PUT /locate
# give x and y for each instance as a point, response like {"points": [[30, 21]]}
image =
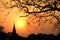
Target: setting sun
{"points": [[20, 22]]}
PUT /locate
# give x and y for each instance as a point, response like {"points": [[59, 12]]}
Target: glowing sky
{"points": [[25, 25]]}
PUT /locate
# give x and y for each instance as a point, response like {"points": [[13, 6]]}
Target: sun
{"points": [[20, 22]]}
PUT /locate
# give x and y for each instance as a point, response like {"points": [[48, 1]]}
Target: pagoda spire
{"points": [[14, 29]]}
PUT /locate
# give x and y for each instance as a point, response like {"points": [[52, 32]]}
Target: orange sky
{"points": [[30, 24]]}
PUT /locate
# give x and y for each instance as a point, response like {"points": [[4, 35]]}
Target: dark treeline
{"points": [[14, 36], [4, 36]]}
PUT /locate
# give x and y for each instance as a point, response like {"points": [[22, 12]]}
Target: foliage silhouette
{"points": [[15, 36]]}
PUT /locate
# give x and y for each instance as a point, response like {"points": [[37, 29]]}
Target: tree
{"points": [[39, 7], [1, 28]]}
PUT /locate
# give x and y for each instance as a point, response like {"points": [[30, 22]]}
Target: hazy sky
{"points": [[46, 25]]}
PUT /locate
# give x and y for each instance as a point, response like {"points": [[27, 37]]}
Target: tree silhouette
{"points": [[49, 6], [1, 28]]}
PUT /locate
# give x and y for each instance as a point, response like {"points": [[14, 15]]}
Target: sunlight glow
{"points": [[20, 22]]}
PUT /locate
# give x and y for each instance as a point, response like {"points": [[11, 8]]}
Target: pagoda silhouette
{"points": [[14, 35], [14, 30]]}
